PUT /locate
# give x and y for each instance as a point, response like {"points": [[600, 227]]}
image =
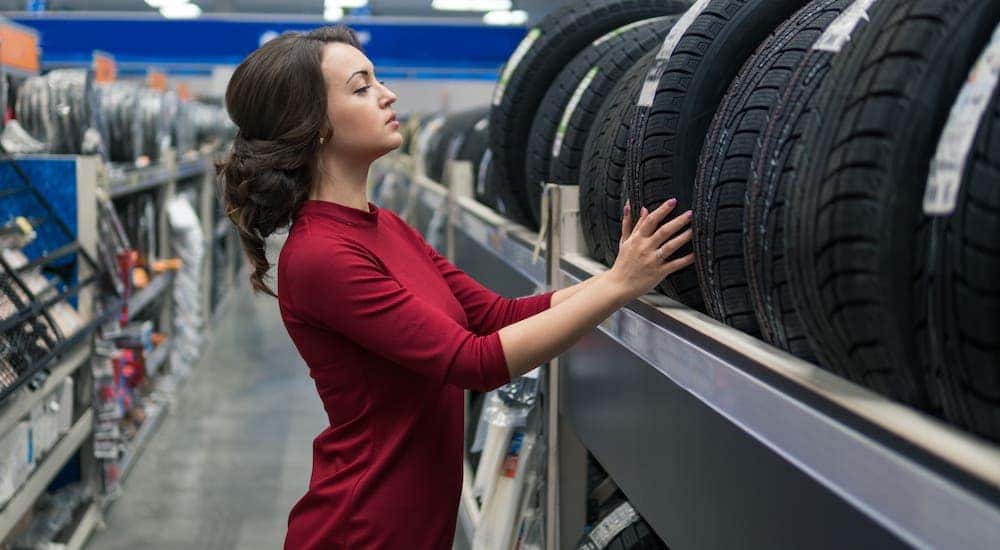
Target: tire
{"points": [[739, 250], [443, 148], [473, 144], [547, 49], [669, 129], [853, 219], [962, 289], [581, 88], [629, 530], [601, 197], [777, 167]]}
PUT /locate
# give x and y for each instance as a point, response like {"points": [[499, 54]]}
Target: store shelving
{"points": [[45, 472], [718, 439], [157, 358], [155, 414], [148, 294]]}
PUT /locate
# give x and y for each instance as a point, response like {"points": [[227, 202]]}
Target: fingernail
{"points": [[671, 202], [644, 211], [628, 207], [689, 214]]}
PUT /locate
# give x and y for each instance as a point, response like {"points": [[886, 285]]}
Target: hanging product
{"points": [[153, 119], [121, 124], [60, 109], [188, 241], [16, 140]]}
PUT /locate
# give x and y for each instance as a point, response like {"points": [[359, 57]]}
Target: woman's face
{"points": [[359, 107]]}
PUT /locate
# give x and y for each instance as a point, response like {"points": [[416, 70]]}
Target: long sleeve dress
{"points": [[392, 333]]}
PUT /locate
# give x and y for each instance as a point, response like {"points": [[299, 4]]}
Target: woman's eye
{"points": [[361, 91]]}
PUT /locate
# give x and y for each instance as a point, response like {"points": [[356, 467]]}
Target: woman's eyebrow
{"points": [[356, 73]]}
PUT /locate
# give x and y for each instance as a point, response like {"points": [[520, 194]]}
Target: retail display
{"points": [[187, 240], [61, 110], [534, 65]]}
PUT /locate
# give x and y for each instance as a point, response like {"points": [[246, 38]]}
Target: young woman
{"points": [[391, 331]]}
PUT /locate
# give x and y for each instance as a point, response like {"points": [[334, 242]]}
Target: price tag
{"points": [[157, 80], [105, 68], [19, 48]]}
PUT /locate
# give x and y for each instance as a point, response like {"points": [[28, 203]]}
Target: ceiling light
{"points": [[516, 17], [471, 5], [180, 11], [164, 3], [332, 13], [345, 3]]}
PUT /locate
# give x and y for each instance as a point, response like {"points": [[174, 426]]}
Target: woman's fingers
{"points": [[626, 221], [673, 245], [671, 228], [674, 266], [652, 221]]}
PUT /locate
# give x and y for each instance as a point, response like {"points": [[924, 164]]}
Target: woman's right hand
{"points": [[638, 267]]}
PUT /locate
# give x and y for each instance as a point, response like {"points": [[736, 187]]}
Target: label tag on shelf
{"points": [[105, 68], [19, 48], [157, 80]]}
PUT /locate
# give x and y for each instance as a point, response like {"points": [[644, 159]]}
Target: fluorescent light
{"points": [[516, 17], [471, 5], [331, 13], [345, 3], [164, 3], [180, 11]]}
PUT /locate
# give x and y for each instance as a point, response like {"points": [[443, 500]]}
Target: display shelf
{"points": [[44, 473], [128, 182], [681, 409], [155, 413], [90, 520], [19, 404], [508, 242], [125, 182], [138, 301], [157, 358]]}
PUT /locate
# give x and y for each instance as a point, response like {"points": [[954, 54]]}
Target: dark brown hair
{"points": [[277, 99]]}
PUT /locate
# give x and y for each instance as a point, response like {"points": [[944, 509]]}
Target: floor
{"points": [[234, 454]]}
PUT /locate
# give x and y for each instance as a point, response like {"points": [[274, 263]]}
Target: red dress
{"points": [[392, 333]]}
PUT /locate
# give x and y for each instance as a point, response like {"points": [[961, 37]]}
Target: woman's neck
{"points": [[342, 183]]}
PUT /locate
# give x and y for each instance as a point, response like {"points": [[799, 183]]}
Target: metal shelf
{"points": [[53, 462], [128, 182], [18, 405], [695, 420], [90, 520], [508, 242], [157, 358], [138, 301], [155, 413]]}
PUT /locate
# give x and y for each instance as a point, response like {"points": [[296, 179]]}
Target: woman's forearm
{"points": [[564, 294], [537, 339]]}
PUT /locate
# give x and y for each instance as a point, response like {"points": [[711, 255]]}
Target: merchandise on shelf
{"points": [[188, 242]]}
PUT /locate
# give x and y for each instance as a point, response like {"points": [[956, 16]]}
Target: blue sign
{"points": [[196, 45]]}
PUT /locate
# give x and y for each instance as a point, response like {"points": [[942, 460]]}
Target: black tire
{"points": [[443, 147], [853, 219], [547, 49], [962, 290], [601, 197], [669, 133], [473, 144], [739, 257], [581, 88], [631, 532], [776, 167]]}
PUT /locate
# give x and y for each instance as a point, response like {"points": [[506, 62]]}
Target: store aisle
{"points": [[234, 454]]}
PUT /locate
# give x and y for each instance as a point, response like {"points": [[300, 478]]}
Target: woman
{"points": [[391, 331]]}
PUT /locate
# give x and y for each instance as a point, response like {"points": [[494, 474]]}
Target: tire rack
{"points": [[162, 179], [718, 439]]}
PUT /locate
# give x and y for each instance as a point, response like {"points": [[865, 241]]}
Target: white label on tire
{"points": [[612, 525], [484, 166], [515, 58], [621, 30], [648, 92], [571, 108], [948, 164], [482, 124], [839, 32]]}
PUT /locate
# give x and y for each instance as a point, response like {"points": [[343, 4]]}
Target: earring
{"points": [[322, 140]]}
